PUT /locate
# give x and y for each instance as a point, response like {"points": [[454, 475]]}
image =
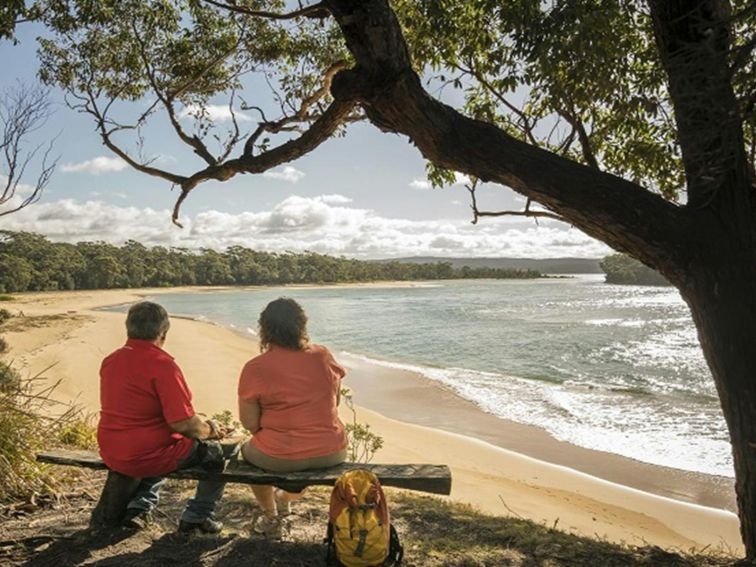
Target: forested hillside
{"points": [[542, 265], [30, 262], [622, 269]]}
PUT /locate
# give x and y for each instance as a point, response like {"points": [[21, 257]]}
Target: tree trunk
{"points": [[722, 299], [706, 248]]}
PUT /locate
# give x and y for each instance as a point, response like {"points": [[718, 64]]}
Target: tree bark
{"points": [[720, 285], [722, 299]]}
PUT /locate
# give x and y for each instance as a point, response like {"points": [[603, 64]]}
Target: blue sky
{"points": [[362, 195]]}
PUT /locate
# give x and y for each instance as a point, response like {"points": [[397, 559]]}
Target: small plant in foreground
{"points": [[10, 379], [226, 418], [30, 421], [362, 443], [3, 345], [79, 432], [5, 315]]}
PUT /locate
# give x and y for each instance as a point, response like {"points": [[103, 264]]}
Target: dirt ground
{"points": [[52, 532]]}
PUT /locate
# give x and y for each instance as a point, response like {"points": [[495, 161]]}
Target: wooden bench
{"points": [[118, 489]]}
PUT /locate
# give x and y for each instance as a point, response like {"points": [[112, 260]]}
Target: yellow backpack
{"points": [[360, 533]]}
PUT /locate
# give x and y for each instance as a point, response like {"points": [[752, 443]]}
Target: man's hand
{"points": [[217, 429], [196, 428]]}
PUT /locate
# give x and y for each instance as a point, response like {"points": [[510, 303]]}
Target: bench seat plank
{"points": [[435, 479]]}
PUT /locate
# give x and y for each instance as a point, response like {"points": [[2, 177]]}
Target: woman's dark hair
{"points": [[284, 323]]}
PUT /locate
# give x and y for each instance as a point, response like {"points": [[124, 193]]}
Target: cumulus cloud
{"points": [[420, 184], [328, 224], [95, 166], [289, 174], [214, 112], [334, 199]]}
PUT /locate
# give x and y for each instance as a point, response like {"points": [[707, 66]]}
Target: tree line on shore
{"points": [[624, 269], [31, 262]]}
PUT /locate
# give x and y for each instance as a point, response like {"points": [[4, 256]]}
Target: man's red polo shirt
{"points": [[142, 390]]}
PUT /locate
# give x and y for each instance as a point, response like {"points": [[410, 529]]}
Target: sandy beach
{"points": [[557, 484]]}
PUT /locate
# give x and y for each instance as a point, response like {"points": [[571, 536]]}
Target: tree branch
{"points": [[317, 133], [301, 115], [527, 127], [614, 210], [23, 111], [583, 138], [694, 42], [92, 108], [477, 213], [317, 11], [193, 141]]}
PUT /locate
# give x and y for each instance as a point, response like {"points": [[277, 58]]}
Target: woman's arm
{"points": [[249, 414]]}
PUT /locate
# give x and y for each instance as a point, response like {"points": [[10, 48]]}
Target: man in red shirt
{"points": [[148, 426]]}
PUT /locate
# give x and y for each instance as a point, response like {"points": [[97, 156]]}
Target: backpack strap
{"points": [[396, 551], [330, 556]]}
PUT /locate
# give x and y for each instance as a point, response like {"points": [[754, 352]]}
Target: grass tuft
{"points": [[31, 421]]}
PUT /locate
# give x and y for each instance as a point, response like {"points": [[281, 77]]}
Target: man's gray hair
{"points": [[147, 321]]}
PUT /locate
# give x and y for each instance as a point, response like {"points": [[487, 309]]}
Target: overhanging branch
{"points": [[316, 134], [527, 212], [614, 210], [317, 11], [301, 115]]}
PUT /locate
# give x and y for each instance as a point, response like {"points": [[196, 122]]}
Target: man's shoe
{"points": [[137, 519], [206, 526]]}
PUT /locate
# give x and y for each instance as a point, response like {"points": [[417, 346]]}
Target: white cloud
{"points": [[326, 224], [289, 173], [95, 166], [420, 184], [461, 179], [214, 112], [334, 199]]}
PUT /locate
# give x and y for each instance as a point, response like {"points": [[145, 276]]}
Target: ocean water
{"points": [[606, 367]]}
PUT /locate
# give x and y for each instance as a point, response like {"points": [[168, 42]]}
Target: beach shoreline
{"points": [[487, 454]]}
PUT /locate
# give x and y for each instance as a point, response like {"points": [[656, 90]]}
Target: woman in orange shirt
{"points": [[288, 399]]}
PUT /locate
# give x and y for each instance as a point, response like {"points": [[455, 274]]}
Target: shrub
{"points": [[79, 432], [226, 418], [362, 444], [5, 315], [3, 345], [10, 379], [6, 297], [26, 428]]}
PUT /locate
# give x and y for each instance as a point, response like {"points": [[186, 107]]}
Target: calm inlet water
{"points": [[613, 368]]}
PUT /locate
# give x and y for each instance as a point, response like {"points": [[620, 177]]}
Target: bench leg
{"points": [[119, 489]]}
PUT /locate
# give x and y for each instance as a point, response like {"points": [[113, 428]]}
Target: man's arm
{"points": [[196, 428]]}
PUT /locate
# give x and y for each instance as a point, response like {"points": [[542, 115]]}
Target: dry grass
{"points": [[435, 533], [27, 426], [23, 322]]}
